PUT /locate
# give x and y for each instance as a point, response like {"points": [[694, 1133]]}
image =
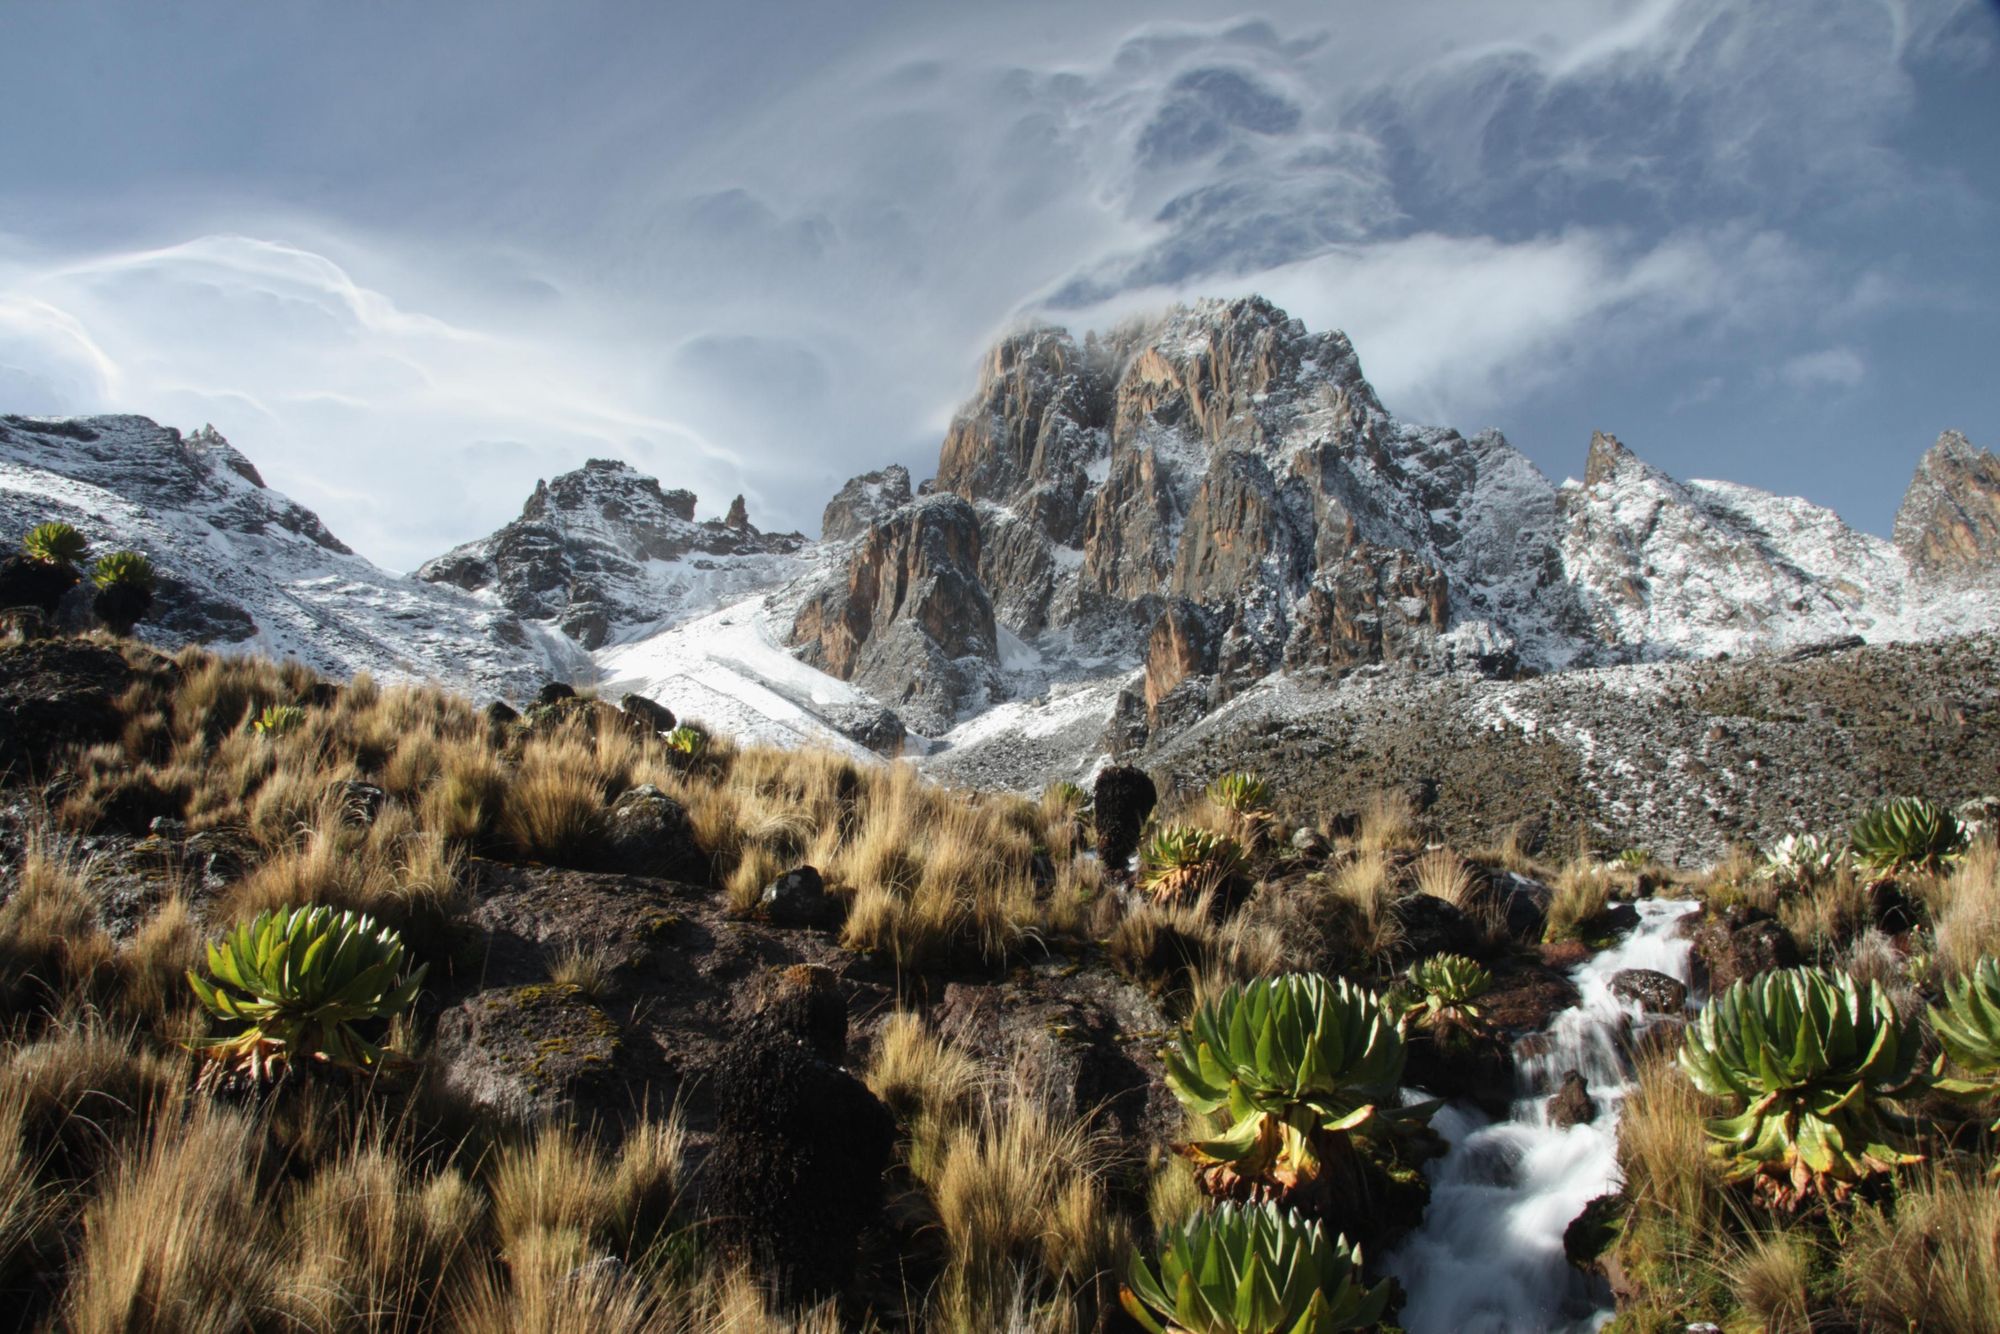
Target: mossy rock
{"points": [[525, 1052]]}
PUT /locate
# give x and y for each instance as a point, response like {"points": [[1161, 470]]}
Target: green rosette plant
{"points": [[126, 569], [1296, 1064], [1252, 1269], [1240, 792], [1180, 861], [277, 720], [1967, 1023], [1438, 994], [1907, 834], [299, 980], [1809, 1060], [56, 543]]}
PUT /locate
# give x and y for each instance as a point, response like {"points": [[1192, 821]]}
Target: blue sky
{"points": [[412, 257]]}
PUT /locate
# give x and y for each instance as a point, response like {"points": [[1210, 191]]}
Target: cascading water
{"points": [[1489, 1256]]}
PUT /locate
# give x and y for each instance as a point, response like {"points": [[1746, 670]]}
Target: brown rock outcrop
{"points": [[909, 620], [1949, 522]]}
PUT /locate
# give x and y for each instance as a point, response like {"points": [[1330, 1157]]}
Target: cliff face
{"points": [[905, 617], [1949, 522], [603, 551]]}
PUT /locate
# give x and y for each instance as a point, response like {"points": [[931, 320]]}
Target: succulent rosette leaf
{"points": [[1240, 792], [56, 543], [1907, 834], [1294, 1063], [1810, 1059], [1439, 992], [1967, 1023], [299, 980], [1252, 1269], [1182, 860]]}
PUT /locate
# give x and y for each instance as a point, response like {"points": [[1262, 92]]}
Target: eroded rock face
{"points": [[865, 501], [908, 620], [583, 553], [1949, 522]]}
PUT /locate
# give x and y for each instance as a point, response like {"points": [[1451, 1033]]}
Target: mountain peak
{"points": [[604, 550], [1949, 521]]}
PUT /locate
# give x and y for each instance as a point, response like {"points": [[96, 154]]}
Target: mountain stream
{"points": [[1489, 1256]]}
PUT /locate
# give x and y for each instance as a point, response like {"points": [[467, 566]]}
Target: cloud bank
{"points": [[762, 259]]}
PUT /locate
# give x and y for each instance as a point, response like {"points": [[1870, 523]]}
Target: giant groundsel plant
{"points": [[1809, 1061]]}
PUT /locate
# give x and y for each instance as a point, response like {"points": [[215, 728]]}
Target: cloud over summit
{"points": [[762, 256]]}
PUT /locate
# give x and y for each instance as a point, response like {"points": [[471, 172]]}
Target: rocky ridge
{"points": [[241, 565], [603, 552]]}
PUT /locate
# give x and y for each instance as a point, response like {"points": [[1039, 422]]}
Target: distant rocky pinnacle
{"points": [[579, 556], [1949, 522]]}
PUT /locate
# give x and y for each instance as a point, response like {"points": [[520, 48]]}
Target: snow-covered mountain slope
{"points": [[1688, 570], [242, 566]]}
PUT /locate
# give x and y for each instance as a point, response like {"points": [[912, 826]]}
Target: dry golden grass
{"points": [[1582, 893], [177, 1242], [1388, 824], [1825, 916], [554, 807], [1022, 1213], [587, 968], [1663, 1150], [53, 953], [1367, 883], [367, 1243], [1933, 1260], [1768, 1274], [1965, 908], [919, 1076]]}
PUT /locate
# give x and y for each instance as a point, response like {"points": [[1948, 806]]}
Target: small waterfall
{"points": [[1489, 1256]]}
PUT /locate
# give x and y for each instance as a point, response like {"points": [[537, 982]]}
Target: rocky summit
{"points": [[1130, 539], [604, 549]]}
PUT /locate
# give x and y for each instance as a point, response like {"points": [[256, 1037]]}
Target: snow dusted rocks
{"points": [[1949, 523], [240, 564], [603, 550], [906, 618]]}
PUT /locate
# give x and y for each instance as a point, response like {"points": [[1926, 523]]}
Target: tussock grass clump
{"points": [[1024, 1218], [1582, 893], [1964, 908], [177, 1240], [1932, 1257]]}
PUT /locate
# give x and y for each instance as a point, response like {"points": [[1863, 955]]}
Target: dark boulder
{"points": [[553, 691], [56, 693], [647, 832], [1572, 1104], [880, 730], [500, 713], [359, 802], [25, 582], [655, 717], [1737, 943], [1122, 799], [799, 898], [1654, 992], [1310, 844], [1432, 925], [800, 1149], [1524, 903]]}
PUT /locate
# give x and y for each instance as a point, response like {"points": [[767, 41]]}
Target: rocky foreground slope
{"points": [[1132, 543]]}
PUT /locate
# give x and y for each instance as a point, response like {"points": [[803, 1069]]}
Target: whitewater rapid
{"points": [[1489, 1256]]}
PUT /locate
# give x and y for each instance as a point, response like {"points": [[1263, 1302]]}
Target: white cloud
{"points": [[1828, 368], [382, 418]]}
